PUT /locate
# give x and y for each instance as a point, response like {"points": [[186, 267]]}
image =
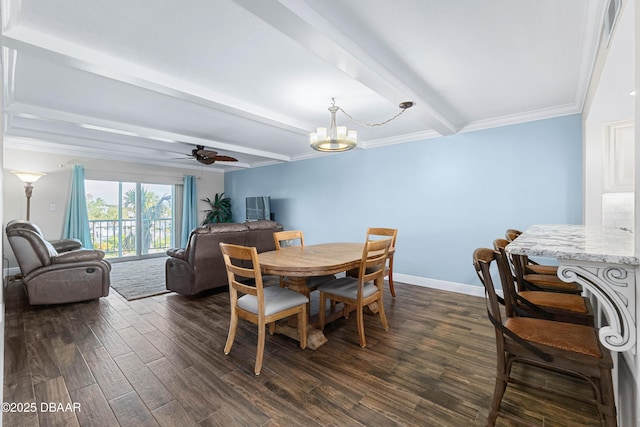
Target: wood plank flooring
{"points": [[159, 362]]}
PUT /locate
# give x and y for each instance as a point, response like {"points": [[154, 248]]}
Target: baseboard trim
{"points": [[443, 285]]}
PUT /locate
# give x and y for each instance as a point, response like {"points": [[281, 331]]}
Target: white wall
{"points": [[54, 187], [608, 101]]}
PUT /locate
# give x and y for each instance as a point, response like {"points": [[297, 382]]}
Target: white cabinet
{"points": [[619, 157]]}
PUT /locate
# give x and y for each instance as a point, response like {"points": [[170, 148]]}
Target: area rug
{"points": [[139, 279]]}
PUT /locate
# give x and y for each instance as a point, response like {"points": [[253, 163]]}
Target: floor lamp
{"points": [[28, 178]]}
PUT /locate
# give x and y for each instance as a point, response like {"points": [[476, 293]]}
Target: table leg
{"points": [[315, 337]]}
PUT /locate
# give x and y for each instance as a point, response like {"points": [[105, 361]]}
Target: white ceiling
{"points": [[146, 80]]}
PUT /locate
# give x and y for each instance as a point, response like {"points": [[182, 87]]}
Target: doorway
{"points": [[130, 219]]}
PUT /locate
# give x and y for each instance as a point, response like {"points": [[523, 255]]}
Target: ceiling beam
{"points": [[357, 54], [33, 141], [69, 54], [41, 113]]}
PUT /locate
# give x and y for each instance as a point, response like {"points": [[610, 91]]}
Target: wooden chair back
{"points": [[373, 232], [517, 264], [511, 234], [373, 263], [507, 278], [236, 259], [483, 259], [507, 274], [288, 238]]}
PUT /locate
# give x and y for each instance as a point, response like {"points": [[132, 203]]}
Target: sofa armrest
{"points": [[179, 253], [66, 245], [78, 256]]}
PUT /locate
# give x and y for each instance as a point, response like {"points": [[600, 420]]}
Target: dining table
{"points": [[299, 263]]}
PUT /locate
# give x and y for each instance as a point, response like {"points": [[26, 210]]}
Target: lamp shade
{"points": [[28, 177], [337, 139]]}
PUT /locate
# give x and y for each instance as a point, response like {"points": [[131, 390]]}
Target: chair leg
{"points": [[391, 288], [233, 326], [346, 310], [262, 336], [503, 371], [498, 392], [302, 327], [607, 407], [383, 316], [360, 321]]}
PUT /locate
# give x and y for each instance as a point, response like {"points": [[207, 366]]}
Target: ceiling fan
{"points": [[208, 157]]}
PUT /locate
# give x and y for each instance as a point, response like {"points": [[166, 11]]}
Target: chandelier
{"points": [[339, 138]]}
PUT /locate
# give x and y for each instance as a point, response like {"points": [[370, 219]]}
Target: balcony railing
{"points": [[117, 238]]}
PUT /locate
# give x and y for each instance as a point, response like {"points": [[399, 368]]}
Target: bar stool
{"points": [[570, 349]]}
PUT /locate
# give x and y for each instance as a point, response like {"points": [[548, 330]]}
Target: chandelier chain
{"points": [[360, 122]]}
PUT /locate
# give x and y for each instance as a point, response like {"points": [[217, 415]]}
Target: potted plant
{"points": [[220, 209]]}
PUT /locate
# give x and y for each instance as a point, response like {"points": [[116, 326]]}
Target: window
{"points": [[129, 219]]}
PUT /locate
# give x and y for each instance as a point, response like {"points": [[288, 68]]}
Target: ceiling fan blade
{"points": [[225, 159]]}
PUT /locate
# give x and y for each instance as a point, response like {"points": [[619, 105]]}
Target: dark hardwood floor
{"points": [[159, 361]]}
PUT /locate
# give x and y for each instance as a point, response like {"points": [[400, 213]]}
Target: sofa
{"points": [[51, 277], [200, 265]]}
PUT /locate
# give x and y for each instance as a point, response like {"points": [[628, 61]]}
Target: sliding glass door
{"points": [[129, 219]]}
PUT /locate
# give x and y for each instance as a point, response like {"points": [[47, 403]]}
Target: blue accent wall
{"points": [[446, 196]]}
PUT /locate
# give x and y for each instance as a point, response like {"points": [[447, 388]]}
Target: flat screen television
{"points": [[258, 208]]}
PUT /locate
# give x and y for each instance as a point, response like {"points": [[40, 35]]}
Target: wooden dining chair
{"points": [[532, 266], [567, 348], [385, 233], [258, 304], [543, 305], [295, 238], [374, 232], [532, 281], [367, 288]]}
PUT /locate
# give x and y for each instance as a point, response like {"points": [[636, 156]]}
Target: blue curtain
{"points": [[76, 225], [189, 208]]}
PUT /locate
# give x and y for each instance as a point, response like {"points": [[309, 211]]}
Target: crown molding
{"points": [[530, 116]]}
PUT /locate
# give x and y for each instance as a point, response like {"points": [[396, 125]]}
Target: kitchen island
{"points": [[604, 262]]}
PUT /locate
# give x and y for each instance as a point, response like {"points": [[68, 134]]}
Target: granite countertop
{"points": [[577, 242]]}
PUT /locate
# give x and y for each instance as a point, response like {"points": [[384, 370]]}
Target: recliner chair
{"points": [[55, 278], [61, 245]]}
